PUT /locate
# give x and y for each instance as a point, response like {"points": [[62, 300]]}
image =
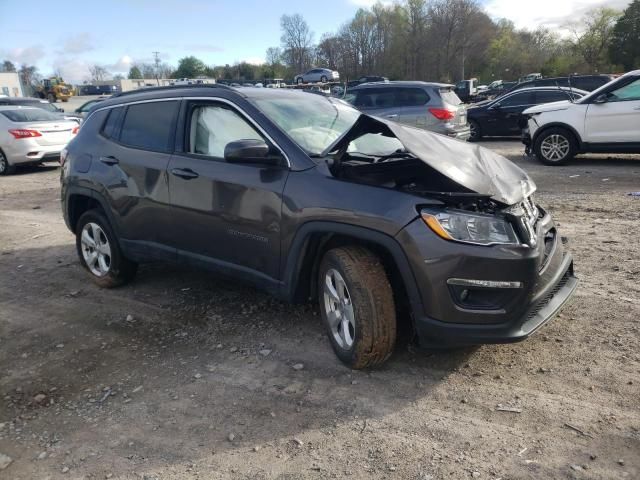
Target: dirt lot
{"points": [[182, 375]]}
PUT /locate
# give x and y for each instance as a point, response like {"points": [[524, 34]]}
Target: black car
{"points": [[307, 198], [588, 83], [502, 117], [366, 79]]}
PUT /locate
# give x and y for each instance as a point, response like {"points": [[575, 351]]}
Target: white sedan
{"points": [[31, 135]]}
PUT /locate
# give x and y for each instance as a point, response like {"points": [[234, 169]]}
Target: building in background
{"points": [[106, 87], [10, 84]]}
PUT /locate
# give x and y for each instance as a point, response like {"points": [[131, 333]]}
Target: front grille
{"points": [[544, 301]]}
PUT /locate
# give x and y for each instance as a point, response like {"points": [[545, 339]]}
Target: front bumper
{"points": [[545, 275]]}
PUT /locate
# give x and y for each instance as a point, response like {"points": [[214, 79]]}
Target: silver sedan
{"points": [[31, 135], [318, 75]]}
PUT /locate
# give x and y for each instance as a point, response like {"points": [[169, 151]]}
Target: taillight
{"points": [[75, 130], [24, 133], [442, 113]]}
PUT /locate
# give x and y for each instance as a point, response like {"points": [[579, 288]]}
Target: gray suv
{"points": [[430, 106], [305, 197]]}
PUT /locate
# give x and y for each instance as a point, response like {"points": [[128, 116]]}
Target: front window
{"points": [[212, 127], [314, 122], [629, 92]]}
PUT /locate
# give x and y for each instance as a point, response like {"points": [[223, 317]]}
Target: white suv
{"points": [[605, 121]]}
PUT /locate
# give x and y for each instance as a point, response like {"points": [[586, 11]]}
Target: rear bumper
{"points": [[33, 153], [461, 133], [433, 333]]}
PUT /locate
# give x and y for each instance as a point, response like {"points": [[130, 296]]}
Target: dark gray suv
{"points": [[305, 197], [431, 106]]}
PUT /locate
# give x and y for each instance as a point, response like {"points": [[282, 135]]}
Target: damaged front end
{"points": [[461, 175]]}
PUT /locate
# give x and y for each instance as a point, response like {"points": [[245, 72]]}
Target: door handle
{"points": [[185, 173], [391, 116], [110, 160]]}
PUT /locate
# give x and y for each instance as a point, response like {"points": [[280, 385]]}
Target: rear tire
{"points": [[299, 80], [476, 133], [357, 306], [555, 146], [323, 79], [99, 251], [5, 167], [51, 98]]}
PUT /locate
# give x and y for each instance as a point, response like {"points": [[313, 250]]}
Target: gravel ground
{"points": [[183, 375]]}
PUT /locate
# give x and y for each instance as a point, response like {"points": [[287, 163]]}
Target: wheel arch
{"points": [[80, 200], [547, 126], [313, 239]]}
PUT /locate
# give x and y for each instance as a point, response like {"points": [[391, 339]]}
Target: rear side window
{"points": [[149, 126], [29, 114], [589, 84], [518, 99], [411, 97], [551, 96], [109, 129]]}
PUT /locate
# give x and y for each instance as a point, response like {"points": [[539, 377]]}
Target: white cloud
{"points": [[72, 69], [28, 55], [254, 60], [122, 65], [552, 14]]}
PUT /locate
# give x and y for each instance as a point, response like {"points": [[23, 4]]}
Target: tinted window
{"points": [[213, 127], [524, 98], [110, 125], [29, 114], [551, 96], [589, 84], [149, 125], [410, 97]]}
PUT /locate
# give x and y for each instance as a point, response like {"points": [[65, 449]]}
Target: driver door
{"points": [[617, 120], [224, 214]]}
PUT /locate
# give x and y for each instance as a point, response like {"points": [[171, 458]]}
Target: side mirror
{"points": [[250, 151], [602, 98]]}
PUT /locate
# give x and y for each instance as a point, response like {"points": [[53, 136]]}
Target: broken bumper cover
{"points": [[469, 295], [433, 333]]}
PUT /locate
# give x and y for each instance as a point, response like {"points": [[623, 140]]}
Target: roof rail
{"points": [[171, 87]]}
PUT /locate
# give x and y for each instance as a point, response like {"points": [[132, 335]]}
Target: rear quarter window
{"points": [[449, 96], [411, 97], [149, 126], [111, 123]]}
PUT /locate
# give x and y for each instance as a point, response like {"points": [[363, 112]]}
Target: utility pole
{"points": [[156, 59]]}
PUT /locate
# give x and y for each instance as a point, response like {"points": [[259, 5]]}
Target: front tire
{"points": [[52, 98], [299, 80], [5, 167], [357, 306], [100, 253], [555, 146]]}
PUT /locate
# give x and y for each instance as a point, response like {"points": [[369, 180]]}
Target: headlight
{"points": [[470, 228]]}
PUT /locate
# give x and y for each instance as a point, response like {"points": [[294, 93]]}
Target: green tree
{"points": [[189, 67], [624, 48], [593, 35], [7, 66], [134, 73]]}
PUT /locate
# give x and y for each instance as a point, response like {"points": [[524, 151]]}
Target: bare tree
{"points": [[297, 41], [98, 73]]}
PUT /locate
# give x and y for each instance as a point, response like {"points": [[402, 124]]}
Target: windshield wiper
{"points": [[396, 154]]}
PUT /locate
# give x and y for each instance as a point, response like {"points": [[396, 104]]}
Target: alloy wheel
{"points": [[555, 147], [96, 250], [339, 309]]}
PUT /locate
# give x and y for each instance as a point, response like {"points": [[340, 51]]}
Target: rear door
{"points": [[504, 115], [133, 164], [411, 106], [224, 214], [618, 119], [379, 102]]}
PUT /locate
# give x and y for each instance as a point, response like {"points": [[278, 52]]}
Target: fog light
{"points": [[467, 282]]}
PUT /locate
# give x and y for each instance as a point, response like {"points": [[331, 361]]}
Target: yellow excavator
{"points": [[54, 89]]}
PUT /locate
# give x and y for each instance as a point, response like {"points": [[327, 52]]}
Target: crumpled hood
{"points": [[473, 167], [549, 107]]}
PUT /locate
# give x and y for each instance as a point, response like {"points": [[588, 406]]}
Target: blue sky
{"points": [[114, 33]]}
